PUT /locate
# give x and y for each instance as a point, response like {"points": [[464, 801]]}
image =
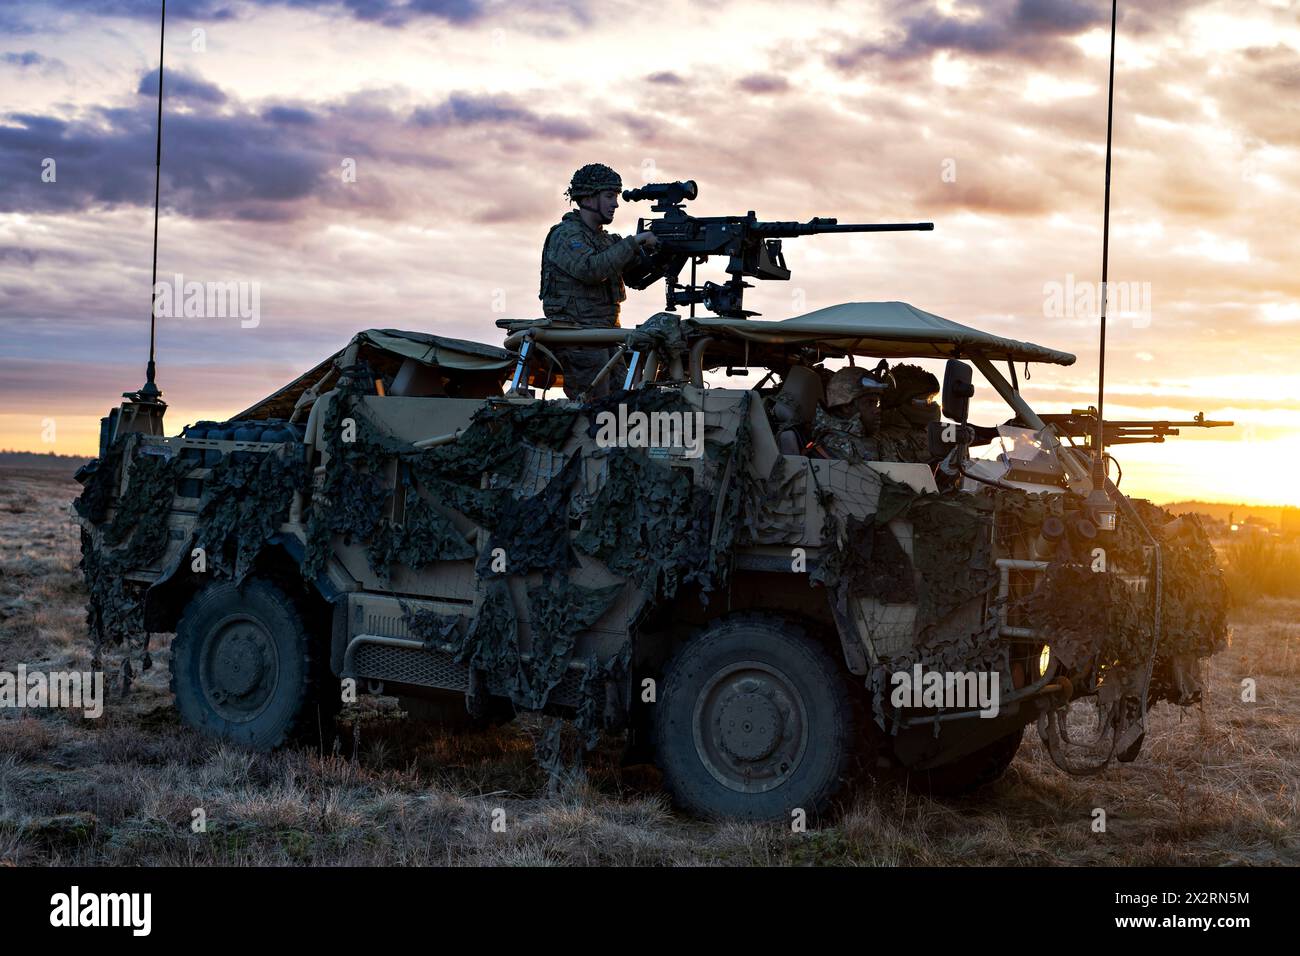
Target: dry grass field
{"points": [[1215, 785]]}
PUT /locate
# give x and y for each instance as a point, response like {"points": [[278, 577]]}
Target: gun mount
{"points": [[752, 247]]}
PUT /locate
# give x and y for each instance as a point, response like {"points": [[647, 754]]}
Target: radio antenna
{"points": [[1099, 464], [149, 393]]}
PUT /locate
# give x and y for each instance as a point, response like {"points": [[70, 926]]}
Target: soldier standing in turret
{"points": [[582, 273]]}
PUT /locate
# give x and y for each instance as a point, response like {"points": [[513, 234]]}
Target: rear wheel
{"points": [[244, 668], [754, 721]]}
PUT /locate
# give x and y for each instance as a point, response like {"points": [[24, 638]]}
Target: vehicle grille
{"points": [[409, 665], [440, 669]]}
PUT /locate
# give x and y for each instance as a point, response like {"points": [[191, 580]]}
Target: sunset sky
{"points": [[465, 119]]}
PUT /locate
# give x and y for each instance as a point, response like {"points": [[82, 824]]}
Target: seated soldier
{"points": [[847, 427], [907, 408]]}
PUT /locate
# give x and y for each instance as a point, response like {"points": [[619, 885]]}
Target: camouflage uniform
{"points": [[843, 438], [847, 437], [582, 283], [906, 441]]}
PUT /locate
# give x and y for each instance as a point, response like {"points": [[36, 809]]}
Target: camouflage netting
{"points": [[660, 334], [1096, 623], [655, 524], [244, 502], [532, 532], [951, 565], [490, 645], [354, 496], [355, 488], [559, 611], [952, 549], [1194, 598], [433, 629], [1072, 605], [598, 693], [423, 536], [100, 485], [1129, 648], [646, 521], [135, 538], [518, 482]]}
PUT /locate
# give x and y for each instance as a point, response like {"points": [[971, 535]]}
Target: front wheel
{"points": [[754, 722], [969, 773], [245, 668]]}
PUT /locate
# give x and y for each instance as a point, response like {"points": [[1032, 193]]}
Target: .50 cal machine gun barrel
{"points": [[788, 230]]}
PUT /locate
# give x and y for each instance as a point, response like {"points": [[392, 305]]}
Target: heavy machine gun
{"points": [[1082, 423], [752, 247]]}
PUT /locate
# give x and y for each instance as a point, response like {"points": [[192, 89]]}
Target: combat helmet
{"points": [[593, 178], [912, 394], [910, 381], [849, 383]]}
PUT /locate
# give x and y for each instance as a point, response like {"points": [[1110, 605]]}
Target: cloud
{"points": [[212, 10], [466, 109], [28, 256], [398, 13], [388, 13], [14, 24], [758, 83], [1023, 29], [213, 166], [289, 116], [181, 87], [275, 162], [25, 59], [1258, 92]]}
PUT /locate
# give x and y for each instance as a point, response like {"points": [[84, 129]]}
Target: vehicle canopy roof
{"points": [[884, 329], [384, 350], [892, 330]]}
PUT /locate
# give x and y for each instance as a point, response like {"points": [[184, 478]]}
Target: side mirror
{"points": [[957, 390]]}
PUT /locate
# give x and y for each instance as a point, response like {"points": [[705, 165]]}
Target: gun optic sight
{"points": [[664, 192]]}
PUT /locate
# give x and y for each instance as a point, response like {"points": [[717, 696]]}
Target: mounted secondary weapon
{"points": [[1082, 423]]}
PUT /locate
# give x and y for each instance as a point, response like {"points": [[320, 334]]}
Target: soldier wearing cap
{"points": [[582, 273]]}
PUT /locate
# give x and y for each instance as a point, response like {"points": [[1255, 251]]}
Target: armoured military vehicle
{"points": [[672, 562]]}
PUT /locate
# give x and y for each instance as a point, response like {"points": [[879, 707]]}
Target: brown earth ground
{"points": [[1216, 784]]}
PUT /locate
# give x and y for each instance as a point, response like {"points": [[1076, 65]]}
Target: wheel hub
{"points": [[239, 665], [239, 669], [750, 726]]}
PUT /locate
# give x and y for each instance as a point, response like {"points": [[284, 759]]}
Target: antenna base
{"points": [[149, 393]]}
